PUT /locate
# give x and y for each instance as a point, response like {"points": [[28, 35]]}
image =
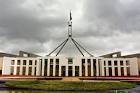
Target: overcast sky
{"points": [[101, 26]]}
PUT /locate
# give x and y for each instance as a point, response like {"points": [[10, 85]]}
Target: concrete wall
{"points": [[138, 60], [6, 66], [63, 61], [134, 67], [1, 62]]}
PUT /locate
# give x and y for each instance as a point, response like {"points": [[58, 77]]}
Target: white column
{"points": [[59, 70], [38, 68], [113, 68], [107, 69], [125, 69], [86, 68], [66, 70], [48, 68], [15, 68], [54, 66], [91, 67], [21, 67], [73, 70], [43, 63], [97, 68], [119, 68], [80, 69], [33, 68], [102, 68], [27, 67]]}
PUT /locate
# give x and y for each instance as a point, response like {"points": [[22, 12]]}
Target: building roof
{"points": [[27, 54], [118, 55], [132, 55], [111, 55], [7, 55], [21, 54]]}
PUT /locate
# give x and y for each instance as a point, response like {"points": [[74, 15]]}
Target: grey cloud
{"points": [[110, 16], [19, 23], [39, 27]]}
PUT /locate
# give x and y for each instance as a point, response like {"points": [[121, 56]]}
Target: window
{"points": [[109, 63], [35, 62], [83, 67], [18, 70], [30, 62], [83, 60], [70, 60], [51, 70], [115, 62], [89, 67], [18, 62], [128, 71], [116, 71], [121, 62], [57, 61], [24, 70], [24, 62], [89, 62], [127, 62], [12, 62], [57, 70], [12, 70], [51, 61], [122, 71], [30, 70], [63, 70], [76, 70], [104, 63], [45, 67]]}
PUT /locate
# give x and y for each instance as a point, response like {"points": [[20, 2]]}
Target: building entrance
{"points": [[69, 70]]}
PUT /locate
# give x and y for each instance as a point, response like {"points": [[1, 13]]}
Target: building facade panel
{"points": [[70, 66]]}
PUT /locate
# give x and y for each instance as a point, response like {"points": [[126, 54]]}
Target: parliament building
{"points": [[109, 65]]}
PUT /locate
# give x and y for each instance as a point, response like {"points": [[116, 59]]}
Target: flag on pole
{"points": [[70, 16]]}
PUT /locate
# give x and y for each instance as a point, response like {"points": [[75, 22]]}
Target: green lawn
{"points": [[60, 85]]}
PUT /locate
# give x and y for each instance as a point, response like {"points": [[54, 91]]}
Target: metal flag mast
{"points": [[78, 46]]}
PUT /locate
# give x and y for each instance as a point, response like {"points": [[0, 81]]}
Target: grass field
{"points": [[61, 85]]}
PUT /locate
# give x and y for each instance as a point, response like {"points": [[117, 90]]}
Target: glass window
{"points": [[115, 62], [18, 62], [57, 61], [109, 63], [83, 60], [35, 62], [127, 62], [121, 62], [30, 62], [70, 60], [89, 61], [104, 63], [12, 70], [12, 62], [51, 61], [24, 62]]}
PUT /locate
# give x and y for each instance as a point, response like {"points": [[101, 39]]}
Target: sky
{"points": [[100, 26]]}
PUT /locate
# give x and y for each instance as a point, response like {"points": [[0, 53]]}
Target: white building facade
{"points": [[69, 66]]}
